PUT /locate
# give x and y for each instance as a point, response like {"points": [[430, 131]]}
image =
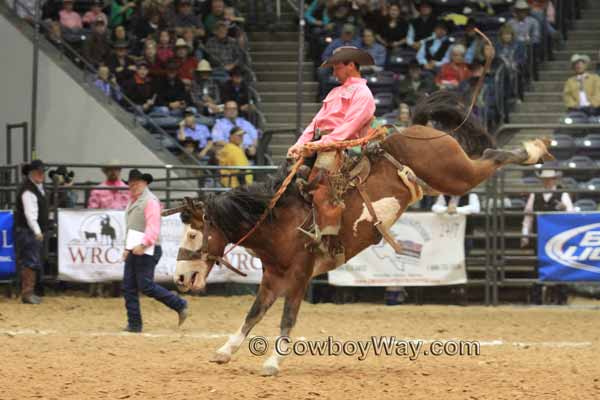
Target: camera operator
{"points": [[62, 178]]}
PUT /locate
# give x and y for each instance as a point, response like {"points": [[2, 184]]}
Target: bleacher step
{"points": [[543, 107], [282, 76], [287, 96], [307, 108], [271, 66], [534, 118]]}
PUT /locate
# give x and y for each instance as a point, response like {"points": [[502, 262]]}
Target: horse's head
{"points": [[201, 245]]}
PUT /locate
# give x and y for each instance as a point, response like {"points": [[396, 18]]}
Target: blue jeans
{"points": [[139, 276], [28, 249]]}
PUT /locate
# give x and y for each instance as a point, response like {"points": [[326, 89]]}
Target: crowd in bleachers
{"points": [[165, 60], [422, 45]]}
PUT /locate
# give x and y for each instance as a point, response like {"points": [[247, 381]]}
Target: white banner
{"points": [[433, 255], [90, 246]]}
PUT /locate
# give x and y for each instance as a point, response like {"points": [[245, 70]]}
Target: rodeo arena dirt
{"points": [[73, 348]]}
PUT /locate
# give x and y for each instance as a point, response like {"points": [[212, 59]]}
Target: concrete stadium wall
{"points": [[73, 127]]}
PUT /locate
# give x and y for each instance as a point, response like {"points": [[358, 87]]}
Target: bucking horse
{"points": [[437, 154]]}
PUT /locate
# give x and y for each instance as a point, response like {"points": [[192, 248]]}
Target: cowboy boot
{"points": [[27, 286]]}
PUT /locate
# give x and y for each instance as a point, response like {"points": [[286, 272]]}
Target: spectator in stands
{"points": [[119, 34], [235, 25], [485, 103], [172, 98], [187, 34], [415, 85], [463, 205], [120, 63], [164, 49], [237, 89], [423, 25], [185, 18], [205, 92], [223, 51], [320, 26], [96, 48], [121, 12], [514, 55], [107, 83], [217, 13], [140, 89], [95, 13], [403, 120], [454, 72], [190, 129], [62, 179], [435, 51], [346, 39], [148, 25], [473, 43], [232, 154], [156, 67], [71, 24], [185, 61], [394, 32], [343, 15], [376, 50], [526, 28], [108, 196], [223, 127], [582, 91], [550, 201]]}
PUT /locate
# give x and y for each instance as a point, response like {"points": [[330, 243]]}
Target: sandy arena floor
{"points": [[72, 348]]}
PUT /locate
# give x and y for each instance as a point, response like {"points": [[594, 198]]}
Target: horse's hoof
{"points": [[269, 371], [220, 358]]}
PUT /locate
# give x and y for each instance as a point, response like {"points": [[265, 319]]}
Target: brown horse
{"points": [[289, 261]]}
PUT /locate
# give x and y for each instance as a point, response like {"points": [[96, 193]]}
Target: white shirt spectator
{"points": [[440, 206], [31, 209]]}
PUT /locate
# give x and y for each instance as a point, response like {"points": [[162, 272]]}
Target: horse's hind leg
{"points": [[532, 152], [293, 300], [264, 300]]}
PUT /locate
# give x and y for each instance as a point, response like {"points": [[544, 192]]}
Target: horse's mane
{"points": [[446, 110], [239, 209]]}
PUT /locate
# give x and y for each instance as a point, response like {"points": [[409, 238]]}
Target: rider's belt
{"points": [[321, 132]]}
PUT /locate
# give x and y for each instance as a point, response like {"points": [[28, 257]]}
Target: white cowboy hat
{"points": [[580, 57], [203, 66], [521, 5], [548, 174]]}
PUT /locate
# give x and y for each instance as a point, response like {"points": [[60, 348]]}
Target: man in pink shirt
{"points": [[143, 215], [346, 114], [71, 25], [110, 196]]}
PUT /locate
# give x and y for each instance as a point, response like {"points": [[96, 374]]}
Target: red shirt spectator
{"points": [[69, 18], [187, 64], [454, 72]]}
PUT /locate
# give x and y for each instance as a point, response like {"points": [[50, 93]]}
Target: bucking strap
{"points": [[376, 222]]}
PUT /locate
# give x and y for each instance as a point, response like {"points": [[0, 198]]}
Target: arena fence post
{"points": [[34, 77]]}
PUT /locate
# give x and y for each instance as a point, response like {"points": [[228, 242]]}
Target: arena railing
{"points": [[499, 188], [165, 141]]}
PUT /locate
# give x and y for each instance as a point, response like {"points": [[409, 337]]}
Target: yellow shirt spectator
{"points": [[233, 154]]}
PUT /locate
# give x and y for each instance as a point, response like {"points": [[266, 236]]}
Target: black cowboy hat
{"points": [[63, 171], [136, 175], [32, 166], [349, 53]]}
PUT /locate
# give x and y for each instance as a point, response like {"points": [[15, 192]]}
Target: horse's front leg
{"points": [[267, 294], [293, 300]]}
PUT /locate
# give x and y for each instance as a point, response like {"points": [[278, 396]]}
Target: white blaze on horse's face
{"points": [[191, 274]]}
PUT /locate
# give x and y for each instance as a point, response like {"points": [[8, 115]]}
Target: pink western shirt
{"points": [[152, 215], [346, 112], [109, 198], [70, 19]]}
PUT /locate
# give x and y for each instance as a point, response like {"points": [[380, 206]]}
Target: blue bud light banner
{"points": [[569, 247], [7, 249]]}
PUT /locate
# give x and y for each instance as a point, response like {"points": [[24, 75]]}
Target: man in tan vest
{"points": [[143, 215]]}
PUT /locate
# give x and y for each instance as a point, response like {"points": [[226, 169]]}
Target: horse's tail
{"points": [[446, 111]]}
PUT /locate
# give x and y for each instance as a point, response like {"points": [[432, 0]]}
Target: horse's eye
{"points": [[192, 236]]}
